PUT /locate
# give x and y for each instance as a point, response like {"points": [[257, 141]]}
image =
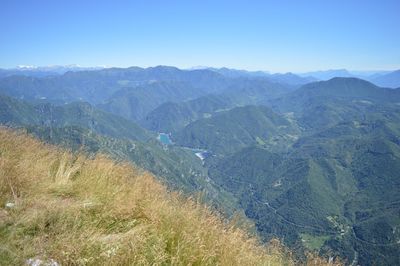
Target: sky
{"points": [[277, 36]]}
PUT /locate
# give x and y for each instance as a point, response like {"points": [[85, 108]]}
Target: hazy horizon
{"points": [[42, 67]]}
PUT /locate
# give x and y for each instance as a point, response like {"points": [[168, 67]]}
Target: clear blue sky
{"points": [[278, 35]]}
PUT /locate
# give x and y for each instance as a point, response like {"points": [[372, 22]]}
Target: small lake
{"points": [[164, 138]]}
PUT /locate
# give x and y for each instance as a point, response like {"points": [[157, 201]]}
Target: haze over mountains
{"points": [[312, 158], [383, 78]]}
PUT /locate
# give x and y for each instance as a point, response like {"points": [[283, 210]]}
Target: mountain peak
{"points": [[389, 80]]}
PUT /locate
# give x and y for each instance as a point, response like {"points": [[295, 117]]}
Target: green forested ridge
{"points": [[135, 102], [174, 116], [228, 131], [74, 114], [350, 89]]}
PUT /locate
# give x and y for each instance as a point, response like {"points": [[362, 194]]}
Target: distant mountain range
{"points": [[388, 79], [286, 78], [43, 71]]}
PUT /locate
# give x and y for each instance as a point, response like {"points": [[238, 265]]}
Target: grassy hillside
{"points": [[75, 210]]}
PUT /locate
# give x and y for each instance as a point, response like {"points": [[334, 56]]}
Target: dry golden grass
{"points": [[81, 211]]}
